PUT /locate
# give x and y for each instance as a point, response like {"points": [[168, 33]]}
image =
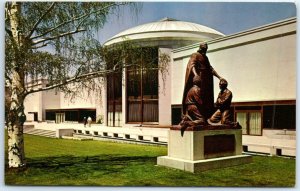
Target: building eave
{"points": [[256, 30]]}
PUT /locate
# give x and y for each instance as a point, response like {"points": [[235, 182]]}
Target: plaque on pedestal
{"points": [[200, 150]]}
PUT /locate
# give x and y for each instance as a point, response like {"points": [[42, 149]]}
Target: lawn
{"points": [[70, 162]]}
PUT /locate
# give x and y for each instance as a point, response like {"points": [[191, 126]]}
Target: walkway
{"points": [[127, 133]]}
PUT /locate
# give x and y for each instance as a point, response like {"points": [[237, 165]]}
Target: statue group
{"points": [[199, 109]]}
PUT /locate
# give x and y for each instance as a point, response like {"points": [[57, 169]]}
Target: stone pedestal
{"points": [[199, 150]]}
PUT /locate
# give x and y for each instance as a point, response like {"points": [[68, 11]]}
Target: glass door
{"points": [[59, 117], [114, 100]]}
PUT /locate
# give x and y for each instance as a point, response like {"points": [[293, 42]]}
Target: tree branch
{"points": [[73, 79], [37, 47], [58, 36], [76, 18], [78, 77], [40, 20]]}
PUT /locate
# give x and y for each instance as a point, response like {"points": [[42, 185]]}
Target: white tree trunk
{"points": [[16, 116], [16, 156], [16, 119]]}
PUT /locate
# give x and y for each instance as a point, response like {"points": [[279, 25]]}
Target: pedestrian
{"points": [[89, 120], [84, 121]]}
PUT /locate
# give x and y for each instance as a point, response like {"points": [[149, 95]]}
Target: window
{"points": [[255, 123], [50, 115], [142, 88], [114, 100], [242, 119], [251, 122], [59, 117], [279, 117], [71, 115], [87, 113]]}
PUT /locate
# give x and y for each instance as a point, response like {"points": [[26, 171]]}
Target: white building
{"points": [[259, 65], [54, 106]]}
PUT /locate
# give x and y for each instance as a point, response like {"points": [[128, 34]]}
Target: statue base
{"points": [[203, 148]]}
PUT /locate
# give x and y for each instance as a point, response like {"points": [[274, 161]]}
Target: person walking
{"points": [[89, 120], [84, 121]]}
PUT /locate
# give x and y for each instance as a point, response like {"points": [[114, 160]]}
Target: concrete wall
{"points": [[95, 99], [53, 99], [271, 141], [259, 64], [33, 103], [81, 100], [37, 102], [164, 92]]}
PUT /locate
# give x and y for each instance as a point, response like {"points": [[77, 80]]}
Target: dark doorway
{"points": [[35, 116]]}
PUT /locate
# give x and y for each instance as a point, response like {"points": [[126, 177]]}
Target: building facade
{"points": [[259, 65], [53, 106]]}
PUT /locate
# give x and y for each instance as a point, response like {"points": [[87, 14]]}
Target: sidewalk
{"points": [[128, 131]]}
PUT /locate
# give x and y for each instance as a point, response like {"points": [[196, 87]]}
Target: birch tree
{"points": [[68, 28]]}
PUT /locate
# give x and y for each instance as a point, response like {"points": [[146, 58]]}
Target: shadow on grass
{"points": [[78, 166], [73, 170], [97, 162]]}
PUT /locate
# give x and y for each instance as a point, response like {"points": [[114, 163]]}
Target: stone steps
{"points": [[40, 132]]}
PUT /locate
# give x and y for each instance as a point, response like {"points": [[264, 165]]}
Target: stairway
{"points": [[40, 132]]}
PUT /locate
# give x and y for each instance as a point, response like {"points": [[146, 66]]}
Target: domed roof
{"points": [[167, 29]]}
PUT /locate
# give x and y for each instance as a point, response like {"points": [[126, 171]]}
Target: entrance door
{"points": [[59, 117], [35, 116], [114, 100]]}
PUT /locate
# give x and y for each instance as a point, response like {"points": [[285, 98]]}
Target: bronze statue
{"points": [[199, 65], [194, 106], [222, 104], [198, 97]]}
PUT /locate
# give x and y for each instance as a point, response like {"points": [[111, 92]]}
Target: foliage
{"points": [[118, 164], [59, 45], [100, 119], [58, 41]]}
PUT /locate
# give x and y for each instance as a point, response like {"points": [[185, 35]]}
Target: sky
{"points": [[226, 17]]}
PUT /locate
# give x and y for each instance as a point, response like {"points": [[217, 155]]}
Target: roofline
{"points": [[173, 31], [243, 33], [257, 29], [162, 20]]}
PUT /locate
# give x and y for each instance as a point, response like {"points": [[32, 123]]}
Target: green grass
{"points": [[70, 162]]}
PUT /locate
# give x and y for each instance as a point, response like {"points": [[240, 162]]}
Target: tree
{"points": [[68, 29]]}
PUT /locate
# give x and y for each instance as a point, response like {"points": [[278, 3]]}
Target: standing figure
{"points": [[223, 105], [84, 121], [89, 120], [199, 65]]}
